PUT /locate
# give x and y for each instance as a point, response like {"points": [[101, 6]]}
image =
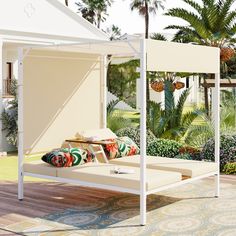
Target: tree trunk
{"points": [[147, 36], [66, 2], [146, 21], [206, 96], [99, 17]]}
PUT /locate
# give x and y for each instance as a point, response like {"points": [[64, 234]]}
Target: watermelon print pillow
{"points": [[68, 157], [127, 147], [124, 146]]}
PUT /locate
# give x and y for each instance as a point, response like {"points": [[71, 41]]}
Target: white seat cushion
{"points": [[41, 168], [103, 174], [185, 167], [96, 134]]}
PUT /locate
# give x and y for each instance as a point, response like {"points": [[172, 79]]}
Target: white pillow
{"points": [[96, 134]]}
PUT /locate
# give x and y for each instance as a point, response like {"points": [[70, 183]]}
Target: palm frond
{"points": [[194, 5], [158, 36], [111, 106], [188, 118], [198, 135], [180, 105]]}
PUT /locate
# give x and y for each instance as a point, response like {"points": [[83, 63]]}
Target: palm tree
{"points": [[210, 23], [95, 11], [145, 7]]}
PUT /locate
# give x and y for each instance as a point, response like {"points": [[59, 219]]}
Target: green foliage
{"points": [[171, 122], [111, 106], [164, 148], [228, 111], [114, 32], [199, 134], [211, 22], [117, 121], [95, 11], [9, 117], [115, 118], [227, 150], [190, 153], [121, 81], [230, 168], [185, 156], [158, 36], [134, 134]]}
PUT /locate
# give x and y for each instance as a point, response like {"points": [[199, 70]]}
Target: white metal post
{"points": [[1, 92], [104, 89], [20, 126], [216, 113], [143, 99]]}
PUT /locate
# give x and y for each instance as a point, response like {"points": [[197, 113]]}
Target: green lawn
{"points": [[8, 168]]}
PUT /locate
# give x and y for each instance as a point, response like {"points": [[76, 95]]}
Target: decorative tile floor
{"points": [[185, 211]]}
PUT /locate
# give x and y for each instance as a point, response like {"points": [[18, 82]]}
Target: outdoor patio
{"points": [[59, 209]]}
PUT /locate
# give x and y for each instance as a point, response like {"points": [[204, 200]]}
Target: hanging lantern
{"points": [[226, 54], [158, 86]]}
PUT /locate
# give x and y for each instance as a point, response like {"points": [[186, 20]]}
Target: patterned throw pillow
{"points": [[68, 157], [111, 150], [124, 146], [127, 147]]}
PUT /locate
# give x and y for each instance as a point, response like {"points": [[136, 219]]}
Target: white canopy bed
{"points": [[62, 89]]}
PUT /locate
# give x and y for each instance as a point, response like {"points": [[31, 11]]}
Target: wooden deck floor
{"points": [[43, 198]]}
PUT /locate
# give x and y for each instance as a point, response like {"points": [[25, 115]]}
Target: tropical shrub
{"points": [[190, 153], [227, 150], [164, 148], [199, 134], [9, 116], [171, 122], [134, 134], [121, 81], [185, 156], [230, 168]]}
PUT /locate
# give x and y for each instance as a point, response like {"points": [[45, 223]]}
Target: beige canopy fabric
{"points": [[179, 57], [63, 91], [62, 95]]}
